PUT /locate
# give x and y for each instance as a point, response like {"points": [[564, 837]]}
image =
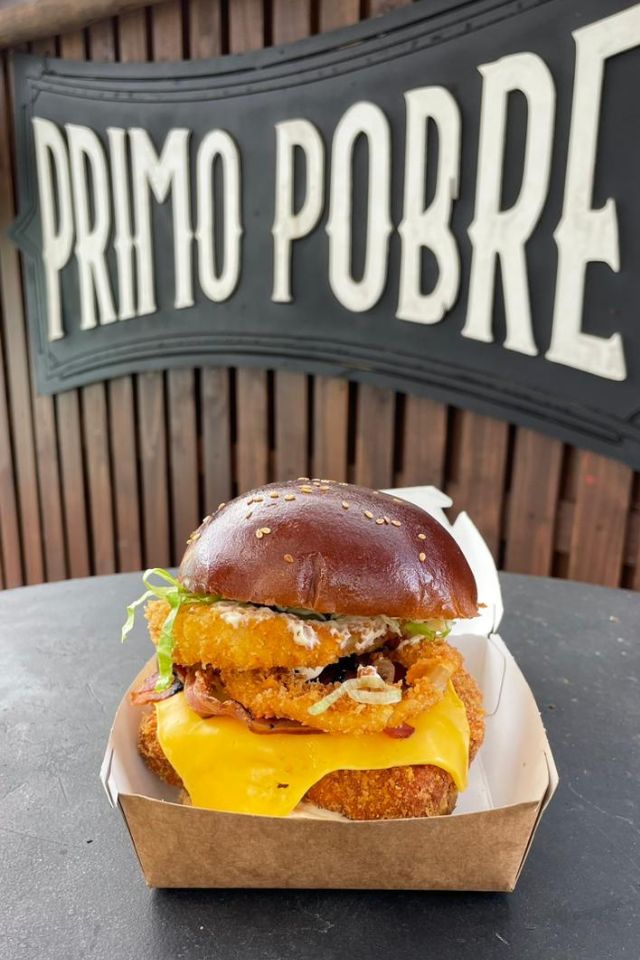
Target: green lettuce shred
{"points": [[432, 629], [176, 596]]}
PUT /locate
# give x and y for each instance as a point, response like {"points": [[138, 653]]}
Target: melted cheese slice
{"points": [[226, 767]]}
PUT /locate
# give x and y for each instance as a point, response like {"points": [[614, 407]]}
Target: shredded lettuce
{"points": [[366, 688], [176, 596], [432, 629]]}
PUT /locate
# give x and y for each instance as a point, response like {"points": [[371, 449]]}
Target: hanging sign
{"points": [[444, 200]]}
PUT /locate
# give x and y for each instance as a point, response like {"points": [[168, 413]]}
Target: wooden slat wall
{"points": [[114, 476]]}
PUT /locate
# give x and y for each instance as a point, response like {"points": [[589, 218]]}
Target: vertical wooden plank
{"points": [[48, 466], [291, 425], [533, 502], [424, 442], [149, 387], [11, 551], [205, 28], [480, 460], [183, 444], [246, 32], [374, 436], [131, 30], [330, 394], [290, 21], [246, 25], [215, 406], [205, 40], [132, 36], [74, 497], [338, 13], [167, 40], [330, 428], [124, 466], [602, 503], [15, 345], [252, 450], [95, 416], [153, 460]]}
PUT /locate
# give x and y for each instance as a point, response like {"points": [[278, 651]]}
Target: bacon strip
{"points": [[147, 693], [402, 732]]}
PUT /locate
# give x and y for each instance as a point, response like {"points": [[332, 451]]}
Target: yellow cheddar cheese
{"points": [[226, 767]]}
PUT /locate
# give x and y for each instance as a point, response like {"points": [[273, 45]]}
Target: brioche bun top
{"points": [[331, 548]]}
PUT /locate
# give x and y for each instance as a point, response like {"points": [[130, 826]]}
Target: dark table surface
{"points": [[70, 884]]}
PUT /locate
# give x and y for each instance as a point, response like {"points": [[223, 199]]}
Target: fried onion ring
{"points": [[229, 636], [282, 693]]}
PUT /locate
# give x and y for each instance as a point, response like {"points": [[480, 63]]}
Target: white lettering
{"points": [[160, 174], [585, 234], [123, 241], [218, 286], [503, 233], [368, 120], [52, 165], [429, 227]]}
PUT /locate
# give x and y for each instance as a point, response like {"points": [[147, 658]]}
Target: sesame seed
{"points": [[289, 496], [259, 534], [207, 518], [386, 519], [306, 489], [323, 486], [397, 500], [422, 557], [274, 495], [380, 520], [265, 529], [345, 505], [250, 514], [316, 480], [249, 502], [258, 499], [221, 505], [368, 514], [303, 478], [422, 536], [195, 535], [396, 523], [288, 558], [326, 481]]}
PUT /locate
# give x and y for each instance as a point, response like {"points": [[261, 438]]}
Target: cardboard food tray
{"points": [[482, 846]]}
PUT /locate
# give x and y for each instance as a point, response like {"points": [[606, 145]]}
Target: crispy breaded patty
{"points": [[282, 693], [228, 636], [411, 791], [414, 791]]}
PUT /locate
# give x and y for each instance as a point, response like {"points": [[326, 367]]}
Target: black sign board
{"points": [[444, 200]]}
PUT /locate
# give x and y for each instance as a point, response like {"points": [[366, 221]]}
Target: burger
{"points": [[302, 658]]}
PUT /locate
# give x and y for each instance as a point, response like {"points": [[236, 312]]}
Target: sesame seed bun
{"points": [[331, 548]]}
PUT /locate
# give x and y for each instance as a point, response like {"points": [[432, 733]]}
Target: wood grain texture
{"points": [[291, 425], [98, 464], [533, 503], [22, 20], [205, 29], [10, 546], [153, 462], [246, 25], [424, 442], [74, 495], [330, 428], [215, 406], [15, 345], [252, 446], [602, 502], [479, 465], [374, 436], [338, 13], [122, 425], [290, 19]]}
